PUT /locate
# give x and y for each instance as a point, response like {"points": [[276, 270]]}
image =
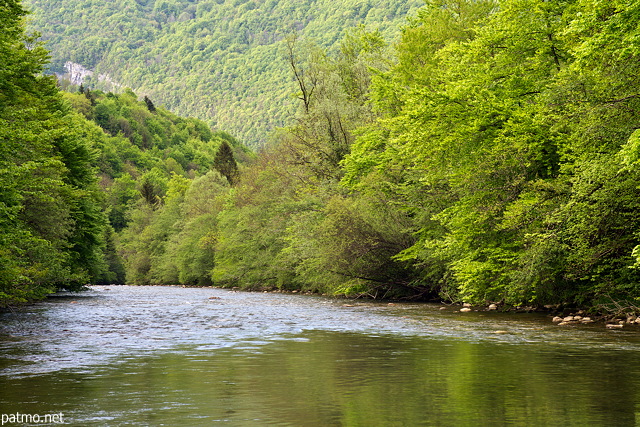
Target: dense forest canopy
{"points": [[221, 61], [73, 166], [51, 224], [491, 155]]}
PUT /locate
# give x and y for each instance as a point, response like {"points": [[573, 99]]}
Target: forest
{"points": [[492, 154], [217, 60]]}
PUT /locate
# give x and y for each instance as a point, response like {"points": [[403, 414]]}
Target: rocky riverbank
{"points": [[565, 317]]}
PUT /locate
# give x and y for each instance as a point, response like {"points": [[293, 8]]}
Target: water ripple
{"points": [[75, 330]]}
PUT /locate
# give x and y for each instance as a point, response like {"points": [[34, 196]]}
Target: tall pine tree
{"points": [[225, 163]]}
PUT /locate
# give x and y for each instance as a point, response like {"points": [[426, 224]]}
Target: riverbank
{"points": [[560, 315], [616, 316]]}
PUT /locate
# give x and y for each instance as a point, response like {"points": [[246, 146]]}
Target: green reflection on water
{"points": [[331, 378]]}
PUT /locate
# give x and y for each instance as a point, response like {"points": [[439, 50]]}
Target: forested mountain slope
{"points": [[221, 61], [495, 158], [496, 161], [75, 167]]}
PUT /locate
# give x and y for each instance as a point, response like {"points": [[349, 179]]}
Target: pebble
{"points": [[465, 309], [492, 307], [557, 319]]}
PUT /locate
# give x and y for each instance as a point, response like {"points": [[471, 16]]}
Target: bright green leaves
{"points": [[602, 27], [600, 225], [491, 130], [289, 223], [494, 158], [22, 58], [62, 178], [216, 60], [51, 224], [148, 163]]}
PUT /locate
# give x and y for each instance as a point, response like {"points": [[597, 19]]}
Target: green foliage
{"points": [[225, 163], [489, 156], [289, 224], [148, 164], [64, 178], [51, 222], [506, 123], [216, 60], [252, 227]]}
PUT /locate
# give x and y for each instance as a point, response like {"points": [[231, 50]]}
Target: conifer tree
{"points": [[225, 163], [150, 105]]}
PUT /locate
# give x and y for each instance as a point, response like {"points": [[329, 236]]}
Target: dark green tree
{"points": [[225, 163], [149, 194], [150, 106]]}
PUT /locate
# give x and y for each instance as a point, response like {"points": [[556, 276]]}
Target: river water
{"points": [[146, 356]]}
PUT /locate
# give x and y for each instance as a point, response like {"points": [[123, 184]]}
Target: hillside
{"points": [[221, 61], [76, 169], [495, 158]]}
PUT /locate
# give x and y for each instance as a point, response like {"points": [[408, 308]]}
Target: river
{"points": [[146, 356]]}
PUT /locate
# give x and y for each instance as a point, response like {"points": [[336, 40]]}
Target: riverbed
{"points": [[171, 356]]}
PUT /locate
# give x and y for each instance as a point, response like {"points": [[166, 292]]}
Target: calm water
{"points": [[172, 356]]}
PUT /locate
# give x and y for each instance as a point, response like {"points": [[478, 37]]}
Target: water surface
{"points": [[173, 356]]}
